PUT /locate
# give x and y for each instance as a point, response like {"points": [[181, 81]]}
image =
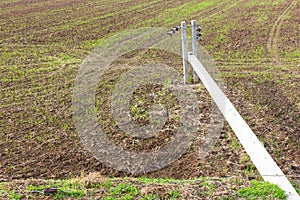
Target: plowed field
{"points": [[255, 45]]}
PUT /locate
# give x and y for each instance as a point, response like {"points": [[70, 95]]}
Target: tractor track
{"points": [[272, 44]]}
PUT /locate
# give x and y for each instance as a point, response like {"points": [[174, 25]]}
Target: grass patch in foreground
{"points": [[261, 190], [123, 191], [64, 189], [96, 186]]}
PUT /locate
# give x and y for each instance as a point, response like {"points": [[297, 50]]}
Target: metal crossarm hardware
{"points": [[173, 30]]}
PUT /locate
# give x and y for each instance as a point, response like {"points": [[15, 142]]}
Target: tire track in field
{"points": [[225, 11], [275, 31]]}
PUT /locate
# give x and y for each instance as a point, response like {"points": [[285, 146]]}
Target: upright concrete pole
{"points": [[184, 53]]}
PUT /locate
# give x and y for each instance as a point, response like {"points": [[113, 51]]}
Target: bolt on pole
{"points": [[184, 53], [194, 47]]}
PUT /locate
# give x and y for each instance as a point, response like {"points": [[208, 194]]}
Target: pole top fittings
{"points": [[173, 30]]}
